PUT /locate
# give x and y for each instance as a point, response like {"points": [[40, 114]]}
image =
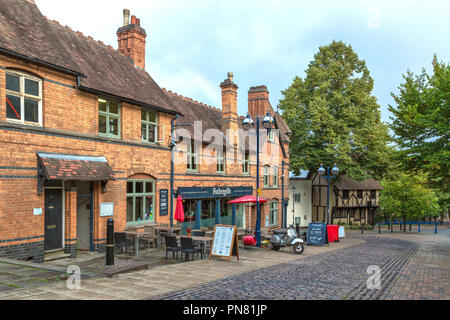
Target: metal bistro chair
{"points": [[120, 241], [187, 247], [198, 234], [172, 245]]}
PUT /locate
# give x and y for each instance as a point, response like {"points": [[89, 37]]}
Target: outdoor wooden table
{"points": [[136, 236], [202, 240]]}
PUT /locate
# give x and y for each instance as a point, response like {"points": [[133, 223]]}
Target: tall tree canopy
{"points": [[421, 124], [406, 197], [334, 117]]}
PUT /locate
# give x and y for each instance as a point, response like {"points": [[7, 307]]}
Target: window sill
{"points": [[25, 123]]}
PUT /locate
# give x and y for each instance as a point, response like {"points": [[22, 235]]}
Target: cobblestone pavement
{"points": [[342, 274]]}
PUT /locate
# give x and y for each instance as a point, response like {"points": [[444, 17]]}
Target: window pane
{"points": [[149, 187], [139, 213], [101, 124], [151, 133], [32, 87], [129, 187], [139, 187], [114, 126], [149, 214], [152, 116], [130, 209], [143, 115], [31, 110], [12, 107], [113, 108], [102, 105], [144, 132], [12, 82]]}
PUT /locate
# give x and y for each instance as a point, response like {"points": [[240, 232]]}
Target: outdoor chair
{"points": [[172, 245], [187, 248], [120, 241], [148, 240]]}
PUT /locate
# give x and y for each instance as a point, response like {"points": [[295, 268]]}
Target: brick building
{"points": [[85, 136]]}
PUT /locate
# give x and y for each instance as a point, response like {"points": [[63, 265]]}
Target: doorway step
{"points": [[55, 255]]}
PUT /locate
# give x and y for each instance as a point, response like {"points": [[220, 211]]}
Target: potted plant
{"points": [[188, 231]]}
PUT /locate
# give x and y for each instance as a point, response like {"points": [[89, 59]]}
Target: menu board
{"points": [[317, 234], [163, 202], [225, 243]]}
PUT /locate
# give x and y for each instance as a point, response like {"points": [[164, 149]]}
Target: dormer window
{"points": [[149, 126], [108, 118], [23, 98]]}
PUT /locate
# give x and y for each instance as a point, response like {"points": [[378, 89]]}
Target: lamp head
{"points": [[267, 121], [335, 170], [321, 170], [248, 122]]}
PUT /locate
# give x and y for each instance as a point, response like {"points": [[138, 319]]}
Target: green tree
{"points": [[334, 117], [421, 124], [406, 197]]}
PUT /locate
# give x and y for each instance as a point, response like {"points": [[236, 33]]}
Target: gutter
{"points": [[127, 100], [41, 63]]}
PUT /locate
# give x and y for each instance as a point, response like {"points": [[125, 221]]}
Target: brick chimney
{"points": [[258, 101], [131, 39], [229, 105]]}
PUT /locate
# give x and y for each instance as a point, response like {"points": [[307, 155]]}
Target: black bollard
{"points": [[379, 229], [110, 242], [362, 229], [297, 228]]}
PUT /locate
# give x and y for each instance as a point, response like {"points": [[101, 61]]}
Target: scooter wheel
{"points": [[276, 248], [298, 248]]}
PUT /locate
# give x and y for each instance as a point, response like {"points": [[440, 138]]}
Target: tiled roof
{"points": [[24, 30], [211, 117], [346, 183], [71, 167]]}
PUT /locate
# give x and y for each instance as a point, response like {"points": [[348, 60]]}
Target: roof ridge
{"points": [[79, 33], [191, 100]]}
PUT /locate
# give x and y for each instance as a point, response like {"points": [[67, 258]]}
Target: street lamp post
{"points": [[172, 146], [247, 123], [334, 172]]}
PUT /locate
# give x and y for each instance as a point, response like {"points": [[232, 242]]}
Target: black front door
{"points": [[53, 219]]}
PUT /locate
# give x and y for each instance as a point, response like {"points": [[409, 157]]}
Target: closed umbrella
{"points": [[179, 210]]}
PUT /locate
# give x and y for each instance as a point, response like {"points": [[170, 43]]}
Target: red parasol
{"points": [[179, 210], [247, 199]]}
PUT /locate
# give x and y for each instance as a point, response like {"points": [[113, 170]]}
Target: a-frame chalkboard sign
{"points": [[317, 234], [225, 242]]}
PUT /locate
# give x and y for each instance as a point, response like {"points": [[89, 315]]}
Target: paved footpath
{"points": [[412, 266], [417, 269]]}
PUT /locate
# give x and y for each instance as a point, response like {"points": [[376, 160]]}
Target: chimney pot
{"points": [[230, 76], [138, 22], [126, 17], [133, 20]]}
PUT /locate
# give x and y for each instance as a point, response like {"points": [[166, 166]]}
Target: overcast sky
{"points": [[191, 45]]}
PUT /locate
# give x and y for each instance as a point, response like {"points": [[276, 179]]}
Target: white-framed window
{"points": [[275, 177], [192, 156], [140, 200], [221, 160], [149, 126], [266, 176], [246, 162], [23, 98], [108, 118], [274, 212], [297, 197]]}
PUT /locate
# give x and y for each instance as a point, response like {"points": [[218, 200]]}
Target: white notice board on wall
{"points": [[225, 242], [106, 209]]}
